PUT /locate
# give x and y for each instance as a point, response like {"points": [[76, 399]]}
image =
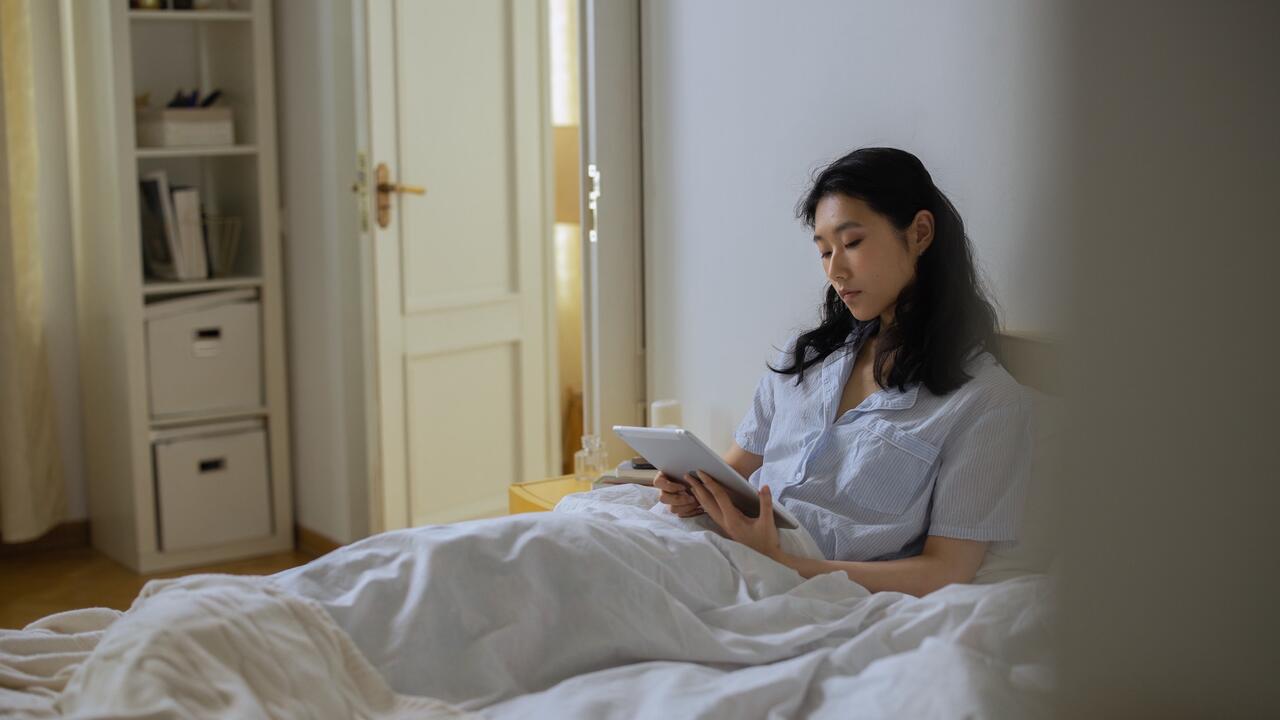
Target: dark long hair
{"points": [[941, 317]]}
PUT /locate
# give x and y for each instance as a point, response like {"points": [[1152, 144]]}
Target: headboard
{"points": [[1033, 360]]}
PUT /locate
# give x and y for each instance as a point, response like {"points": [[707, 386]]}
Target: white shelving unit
{"points": [[115, 54]]}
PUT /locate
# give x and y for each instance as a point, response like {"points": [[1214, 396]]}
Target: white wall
{"points": [[317, 131], [743, 99], [53, 225]]}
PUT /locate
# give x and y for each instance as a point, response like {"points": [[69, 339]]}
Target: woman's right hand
{"points": [[677, 497]]}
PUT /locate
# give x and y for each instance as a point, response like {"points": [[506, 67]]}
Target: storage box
{"points": [[185, 127], [212, 485], [204, 353]]}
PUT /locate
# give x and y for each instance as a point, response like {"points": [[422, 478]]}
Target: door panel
{"points": [[465, 442], [455, 117]]}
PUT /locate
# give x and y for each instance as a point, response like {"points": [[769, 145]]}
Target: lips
{"points": [[846, 294]]}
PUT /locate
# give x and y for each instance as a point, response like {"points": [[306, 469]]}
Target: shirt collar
{"points": [[892, 399], [835, 372]]}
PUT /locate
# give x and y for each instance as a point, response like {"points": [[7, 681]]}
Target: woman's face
{"points": [[867, 260]]}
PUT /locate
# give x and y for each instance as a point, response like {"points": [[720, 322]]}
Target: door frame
{"points": [[368, 390], [613, 307]]}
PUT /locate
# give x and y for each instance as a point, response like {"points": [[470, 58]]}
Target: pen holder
{"points": [[185, 127]]}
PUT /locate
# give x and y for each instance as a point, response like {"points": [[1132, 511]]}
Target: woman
{"points": [[895, 439]]}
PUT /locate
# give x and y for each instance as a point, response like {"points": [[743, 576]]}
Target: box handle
{"points": [[206, 342], [213, 465]]}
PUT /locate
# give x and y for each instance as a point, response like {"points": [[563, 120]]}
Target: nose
{"points": [[837, 268]]}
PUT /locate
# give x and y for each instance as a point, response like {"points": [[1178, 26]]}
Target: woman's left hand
{"points": [[758, 533]]}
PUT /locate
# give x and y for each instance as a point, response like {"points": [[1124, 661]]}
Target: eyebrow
{"points": [[840, 228]]}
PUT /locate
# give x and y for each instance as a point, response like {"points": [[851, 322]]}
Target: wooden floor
{"points": [[49, 581]]}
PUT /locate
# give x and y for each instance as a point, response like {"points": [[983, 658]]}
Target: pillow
{"points": [[1036, 547]]}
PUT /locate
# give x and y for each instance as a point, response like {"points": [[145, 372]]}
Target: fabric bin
{"points": [[204, 353], [185, 127], [212, 485]]}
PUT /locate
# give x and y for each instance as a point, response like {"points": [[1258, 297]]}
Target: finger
{"points": [[730, 511], [676, 497], [707, 500], [766, 505], [717, 506], [670, 484], [691, 513], [683, 504]]}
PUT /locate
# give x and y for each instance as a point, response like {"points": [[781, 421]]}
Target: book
{"points": [[157, 256], [626, 473], [158, 182], [186, 207], [635, 470]]}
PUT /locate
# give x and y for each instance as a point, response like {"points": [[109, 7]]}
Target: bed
{"points": [[606, 607]]}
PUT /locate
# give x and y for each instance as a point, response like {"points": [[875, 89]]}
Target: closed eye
{"points": [[853, 243]]}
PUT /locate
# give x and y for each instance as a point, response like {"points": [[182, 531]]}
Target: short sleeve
{"points": [[753, 431], [983, 477]]}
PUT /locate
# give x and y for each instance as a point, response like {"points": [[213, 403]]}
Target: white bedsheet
{"points": [[601, 609], [204, 646]]}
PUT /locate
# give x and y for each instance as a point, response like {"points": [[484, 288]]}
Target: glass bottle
{"points": [[589, 462]]}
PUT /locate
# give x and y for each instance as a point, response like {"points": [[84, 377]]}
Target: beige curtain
{"points": [[32, 493]]}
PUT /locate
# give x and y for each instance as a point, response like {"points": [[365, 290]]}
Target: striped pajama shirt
{"points": [[873, 483]]}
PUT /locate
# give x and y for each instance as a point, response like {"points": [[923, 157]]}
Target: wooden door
{"points": [[457, 106]]}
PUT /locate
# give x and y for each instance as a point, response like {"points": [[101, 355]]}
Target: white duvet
{"points": [[601, 609]]}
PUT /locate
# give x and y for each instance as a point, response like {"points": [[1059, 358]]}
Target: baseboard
{"points": [[313, 543], [74, 533]]}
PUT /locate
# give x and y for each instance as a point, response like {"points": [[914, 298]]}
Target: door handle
{"points": [[384, 189], [401, 188]]}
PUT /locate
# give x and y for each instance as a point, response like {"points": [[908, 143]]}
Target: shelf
{"points": [[197, 151], [164, 423], [190, 15], [190, 286]]}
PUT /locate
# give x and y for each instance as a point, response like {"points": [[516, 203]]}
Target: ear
{"points": [[920, 234]]}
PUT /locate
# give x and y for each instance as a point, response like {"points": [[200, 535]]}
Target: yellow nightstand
{"points": [[542, 495]]}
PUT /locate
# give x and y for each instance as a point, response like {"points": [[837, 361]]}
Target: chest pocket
{"points": [[890, 467]]}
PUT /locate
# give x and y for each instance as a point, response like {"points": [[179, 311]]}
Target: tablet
{"points": [[678, 452]]}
